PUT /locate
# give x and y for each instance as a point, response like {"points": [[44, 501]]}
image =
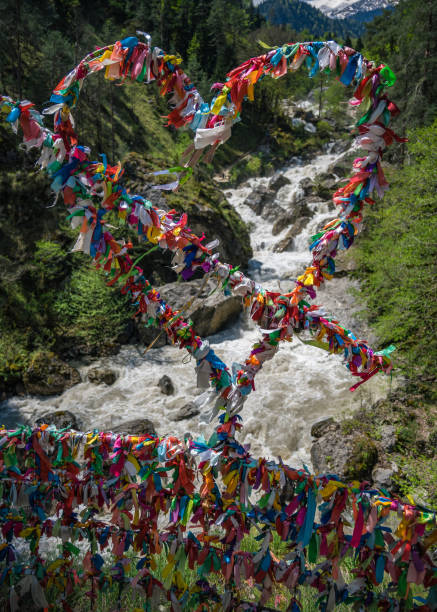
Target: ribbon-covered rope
{"points": [[198, 502]]}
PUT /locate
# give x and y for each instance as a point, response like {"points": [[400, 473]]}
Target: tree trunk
{"points": [[112, 124], [320, 95], [18, 43]]}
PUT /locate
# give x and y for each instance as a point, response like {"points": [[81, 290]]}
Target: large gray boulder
{"points": [[150, 334], [278, 181], [260, 199], [48, 375], [307, 185], [383, 475], [209, 314]]}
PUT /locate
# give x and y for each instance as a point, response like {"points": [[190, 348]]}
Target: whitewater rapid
{"points": [[301, 385]]}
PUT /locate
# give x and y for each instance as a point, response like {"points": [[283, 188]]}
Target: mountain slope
{"points": [[364, 10], [302, 16]]}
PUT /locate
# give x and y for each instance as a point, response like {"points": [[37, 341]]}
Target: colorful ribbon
{"points": [[195, 502]]}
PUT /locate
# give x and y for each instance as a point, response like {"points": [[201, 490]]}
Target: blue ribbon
{"points": [[307, 529], [350, 70]]}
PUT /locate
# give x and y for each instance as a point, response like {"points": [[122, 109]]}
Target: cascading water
{"points": [[301, 385]]}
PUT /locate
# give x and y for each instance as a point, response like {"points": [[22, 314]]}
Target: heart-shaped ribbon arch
{"points": [[82, 181]]}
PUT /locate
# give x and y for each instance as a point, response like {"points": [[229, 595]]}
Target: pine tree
{"points": [[406, 39]]}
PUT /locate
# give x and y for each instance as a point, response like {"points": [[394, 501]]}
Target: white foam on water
{"points": [[298, 387]]}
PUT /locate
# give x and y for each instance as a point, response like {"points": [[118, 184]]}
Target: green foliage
{"points": [[335, 98], [254, 164], [41, 301], [417, 477], [406, 39], [49, 263], [14, 356], [397, 258], [250, 165], [90, 310], [413, 449], [114, 597], [397, 253], [406, 435], [363, 458], [324, 129]]}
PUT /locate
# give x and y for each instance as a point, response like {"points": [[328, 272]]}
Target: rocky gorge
{"points": [[127, 378], [139, 382]]}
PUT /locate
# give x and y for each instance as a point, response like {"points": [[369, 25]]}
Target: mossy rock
{"points": [[48, 375], [362, 459], [352, 456], [102, 375]]}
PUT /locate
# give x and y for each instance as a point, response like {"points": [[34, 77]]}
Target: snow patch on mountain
{"points": [[341, 9], [327, 6], [360, 6]]}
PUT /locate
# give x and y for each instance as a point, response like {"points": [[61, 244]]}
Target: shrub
{"points": [[90, 310]]}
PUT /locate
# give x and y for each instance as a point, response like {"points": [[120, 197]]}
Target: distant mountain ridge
{"points": [[323, 16], [358, 9]]}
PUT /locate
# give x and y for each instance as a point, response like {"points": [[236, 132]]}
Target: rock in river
{"points": [[186, 412], [321, 427], [165, 383], [135, 427], [48, 375], [150, 334], [260, 197], [59, 418], [102, 375], [299, 209], [287, 243]]}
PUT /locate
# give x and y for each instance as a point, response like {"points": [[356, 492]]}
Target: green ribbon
{"points": [[386, 352], [132, 268], [318, 344], [388, 77]]}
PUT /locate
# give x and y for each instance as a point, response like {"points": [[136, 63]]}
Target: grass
{"points": [[128, 599]]}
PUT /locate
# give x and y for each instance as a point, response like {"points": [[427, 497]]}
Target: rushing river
{"points": [[301, 385]]}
